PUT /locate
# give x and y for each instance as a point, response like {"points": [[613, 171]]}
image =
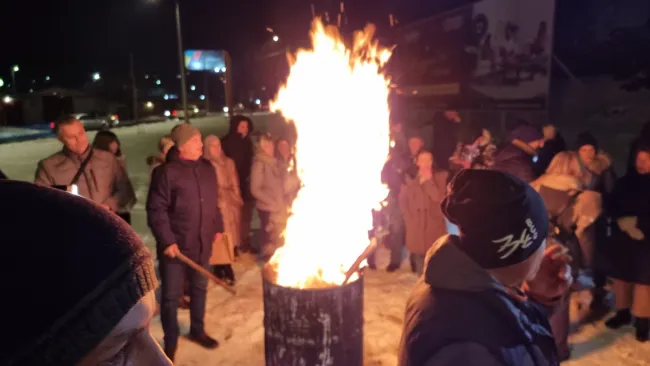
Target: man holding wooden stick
{"points": [[183, 213]]}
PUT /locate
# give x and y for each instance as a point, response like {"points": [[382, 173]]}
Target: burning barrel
{"points": [[313, 326]]}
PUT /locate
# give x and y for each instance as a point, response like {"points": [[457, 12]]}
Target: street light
{"points": [[192, 87], [158, 82], [14, 70], [2, 83], [97, 76], [7, 99], [276, 38], [47, 78]]}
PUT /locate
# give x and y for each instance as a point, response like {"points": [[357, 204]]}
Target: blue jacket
{"points": [[182, 206], [459, 315]]}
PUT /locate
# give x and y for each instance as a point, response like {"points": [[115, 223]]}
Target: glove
{"points": [[628, 226]]}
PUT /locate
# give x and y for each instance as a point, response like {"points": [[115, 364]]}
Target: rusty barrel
{"points": [[313, 327]]}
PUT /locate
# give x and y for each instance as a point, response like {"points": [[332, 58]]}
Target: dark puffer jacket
{"points": [[182, 206], [460, 315], [240, 150]]}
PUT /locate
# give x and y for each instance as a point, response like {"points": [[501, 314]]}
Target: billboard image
{"points": [[492, 54], [205, 60]]}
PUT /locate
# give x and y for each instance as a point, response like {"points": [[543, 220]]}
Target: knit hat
{"points": [[72, 271], [183, 132], [501, 219], [586, 138]]}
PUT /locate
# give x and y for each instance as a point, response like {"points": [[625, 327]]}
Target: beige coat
{"points": [[568, 163], [230, 203], [423, 217], [103, 181]]}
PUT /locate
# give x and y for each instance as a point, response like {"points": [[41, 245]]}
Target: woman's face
{"points": [[130, 343], [587, 153], [113, 147], [425, 161], [643, 162], [215, 148], [284, 149], [267, 147]]}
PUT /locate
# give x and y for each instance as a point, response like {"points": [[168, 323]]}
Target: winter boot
{"points": [[642, 326], [203, 340], [622, 317]]}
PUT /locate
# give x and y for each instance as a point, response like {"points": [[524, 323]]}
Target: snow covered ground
{"points": [[237, 320]]}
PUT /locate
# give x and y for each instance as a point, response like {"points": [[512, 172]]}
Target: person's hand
{"points": [[628, 225], [172, 251], [554, 276], [106, 206]]}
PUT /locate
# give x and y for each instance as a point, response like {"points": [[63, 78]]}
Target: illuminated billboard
{"points": [[205, 60]]}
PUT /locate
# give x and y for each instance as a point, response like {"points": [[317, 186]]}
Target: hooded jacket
{"points": [[240, 150], [460, 315]]}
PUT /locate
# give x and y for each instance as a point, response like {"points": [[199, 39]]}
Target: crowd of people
{"points": [[599, 218], [555, 217]]}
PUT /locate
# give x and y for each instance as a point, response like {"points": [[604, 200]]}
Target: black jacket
{"points": [[182, 206], [240, 150]]}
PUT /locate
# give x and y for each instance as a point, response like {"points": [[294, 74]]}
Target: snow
{"points": [[237, 320]]}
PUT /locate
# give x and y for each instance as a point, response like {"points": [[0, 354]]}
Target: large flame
{"points": [[338, 100]]}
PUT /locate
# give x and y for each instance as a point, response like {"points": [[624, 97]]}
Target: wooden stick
{"points": [[355, 267], [206, 273]]}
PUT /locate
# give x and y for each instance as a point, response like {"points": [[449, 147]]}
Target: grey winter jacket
{"points": [[103, 181], [267, 184]]}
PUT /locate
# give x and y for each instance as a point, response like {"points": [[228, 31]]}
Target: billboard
{"points": [[205, 60], [491, 54]]}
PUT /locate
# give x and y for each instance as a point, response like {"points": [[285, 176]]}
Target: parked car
{"points": [[95, 121], [178, 113]]}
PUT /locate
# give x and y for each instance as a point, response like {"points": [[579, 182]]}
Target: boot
{"points": [[642, 326], [622, 317], [170, 351], [203, 340]]}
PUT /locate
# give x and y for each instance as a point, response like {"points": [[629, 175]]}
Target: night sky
{"points": [[69, 39]]}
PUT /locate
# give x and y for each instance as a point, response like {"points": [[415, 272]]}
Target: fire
{"points": [[338, 100]]}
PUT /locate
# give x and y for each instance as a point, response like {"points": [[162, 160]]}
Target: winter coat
{"points": [[267, 186], [445, 140], [513, 160], [458, 314], [598, 175], [183, 206], [628, 257], [240, 150], [103, 180], [420, 206], [155, 161], [575, 211], [230, 201]]}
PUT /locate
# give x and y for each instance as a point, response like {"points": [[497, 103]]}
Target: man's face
{"points": [[452, 116], [242, 128], [549, 132], [73, 136], [587, 153], [130, 343], [215, 148], [192, 149], [643, 162], [415, 145]]}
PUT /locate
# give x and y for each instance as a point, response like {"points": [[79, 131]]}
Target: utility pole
{"points": [[207, 92], [181, 62], [134, 88], [228, 83]]}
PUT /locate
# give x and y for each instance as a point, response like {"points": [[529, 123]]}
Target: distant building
{"points": [[46, 105]]}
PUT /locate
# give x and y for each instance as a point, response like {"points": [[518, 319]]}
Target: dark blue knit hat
{"points": [[70, 273], [501, 219]]}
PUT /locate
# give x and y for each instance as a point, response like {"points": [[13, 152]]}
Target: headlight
{"points": [[168, 113], [196, 110]]}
